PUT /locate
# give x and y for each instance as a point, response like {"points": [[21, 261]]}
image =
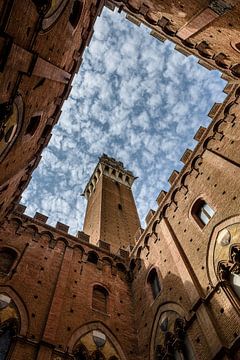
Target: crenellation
{"points": [[158, 36], [199, 134], [173, 177], [40, 217], [62, 227], [149, 217], [186, 156], [104, 245], [160, 197], [214, 110], [20, 209]]}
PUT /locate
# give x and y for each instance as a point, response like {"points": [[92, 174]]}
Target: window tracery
{"points": [[230, 270], [226, 258], [171, 338], [9, 324]]}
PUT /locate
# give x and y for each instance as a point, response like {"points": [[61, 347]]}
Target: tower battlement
{"points": [[112, 168]]}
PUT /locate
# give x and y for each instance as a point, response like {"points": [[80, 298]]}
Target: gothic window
{"points": [[7, 259], [99, 298], [202, 212], [171, 340], [76, 13], [153, 281]]}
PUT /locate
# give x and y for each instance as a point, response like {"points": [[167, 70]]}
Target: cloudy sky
{"points": [[134, 98]]}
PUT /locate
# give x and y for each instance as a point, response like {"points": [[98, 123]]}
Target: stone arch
{"points": [[24, 317], [32, 227], [154, 226], [146, 241], [64, 241], [107, 261], [48, 234], [97, 325], [79, 250], [174, 194], [164, 210]]}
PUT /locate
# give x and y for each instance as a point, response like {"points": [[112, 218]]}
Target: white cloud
{"points": [[135, 99]]}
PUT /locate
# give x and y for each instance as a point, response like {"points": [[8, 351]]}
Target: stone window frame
{"points": [[82, 7], [149, 287], [105, 290], [195, 214]]}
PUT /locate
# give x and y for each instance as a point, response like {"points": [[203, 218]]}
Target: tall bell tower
{"points": [[111, 214]]}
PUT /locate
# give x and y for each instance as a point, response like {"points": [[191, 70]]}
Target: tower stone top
{"points": [[112, 168]]}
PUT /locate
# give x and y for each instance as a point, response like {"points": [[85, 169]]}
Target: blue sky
{"points": [[134, 98]]}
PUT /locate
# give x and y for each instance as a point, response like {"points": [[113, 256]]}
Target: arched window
{"points": [[202, 212], [7, 259], [76, 13], [154, 283], [99, 298]]}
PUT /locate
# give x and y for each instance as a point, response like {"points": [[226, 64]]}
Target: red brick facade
{"points": [[117, 291]]}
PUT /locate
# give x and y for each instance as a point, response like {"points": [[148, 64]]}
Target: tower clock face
{"points": [[8, 130]]}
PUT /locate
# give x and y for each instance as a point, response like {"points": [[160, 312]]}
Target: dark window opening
{"points": [[76, 13], [237, 46], [99, 298], [81, 353], [92, 257], [119, 206], [33, 125], [202, 212], [154, 283], [7, 259]]}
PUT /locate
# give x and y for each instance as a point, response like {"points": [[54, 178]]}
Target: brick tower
{"points": [[111, 214]]}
